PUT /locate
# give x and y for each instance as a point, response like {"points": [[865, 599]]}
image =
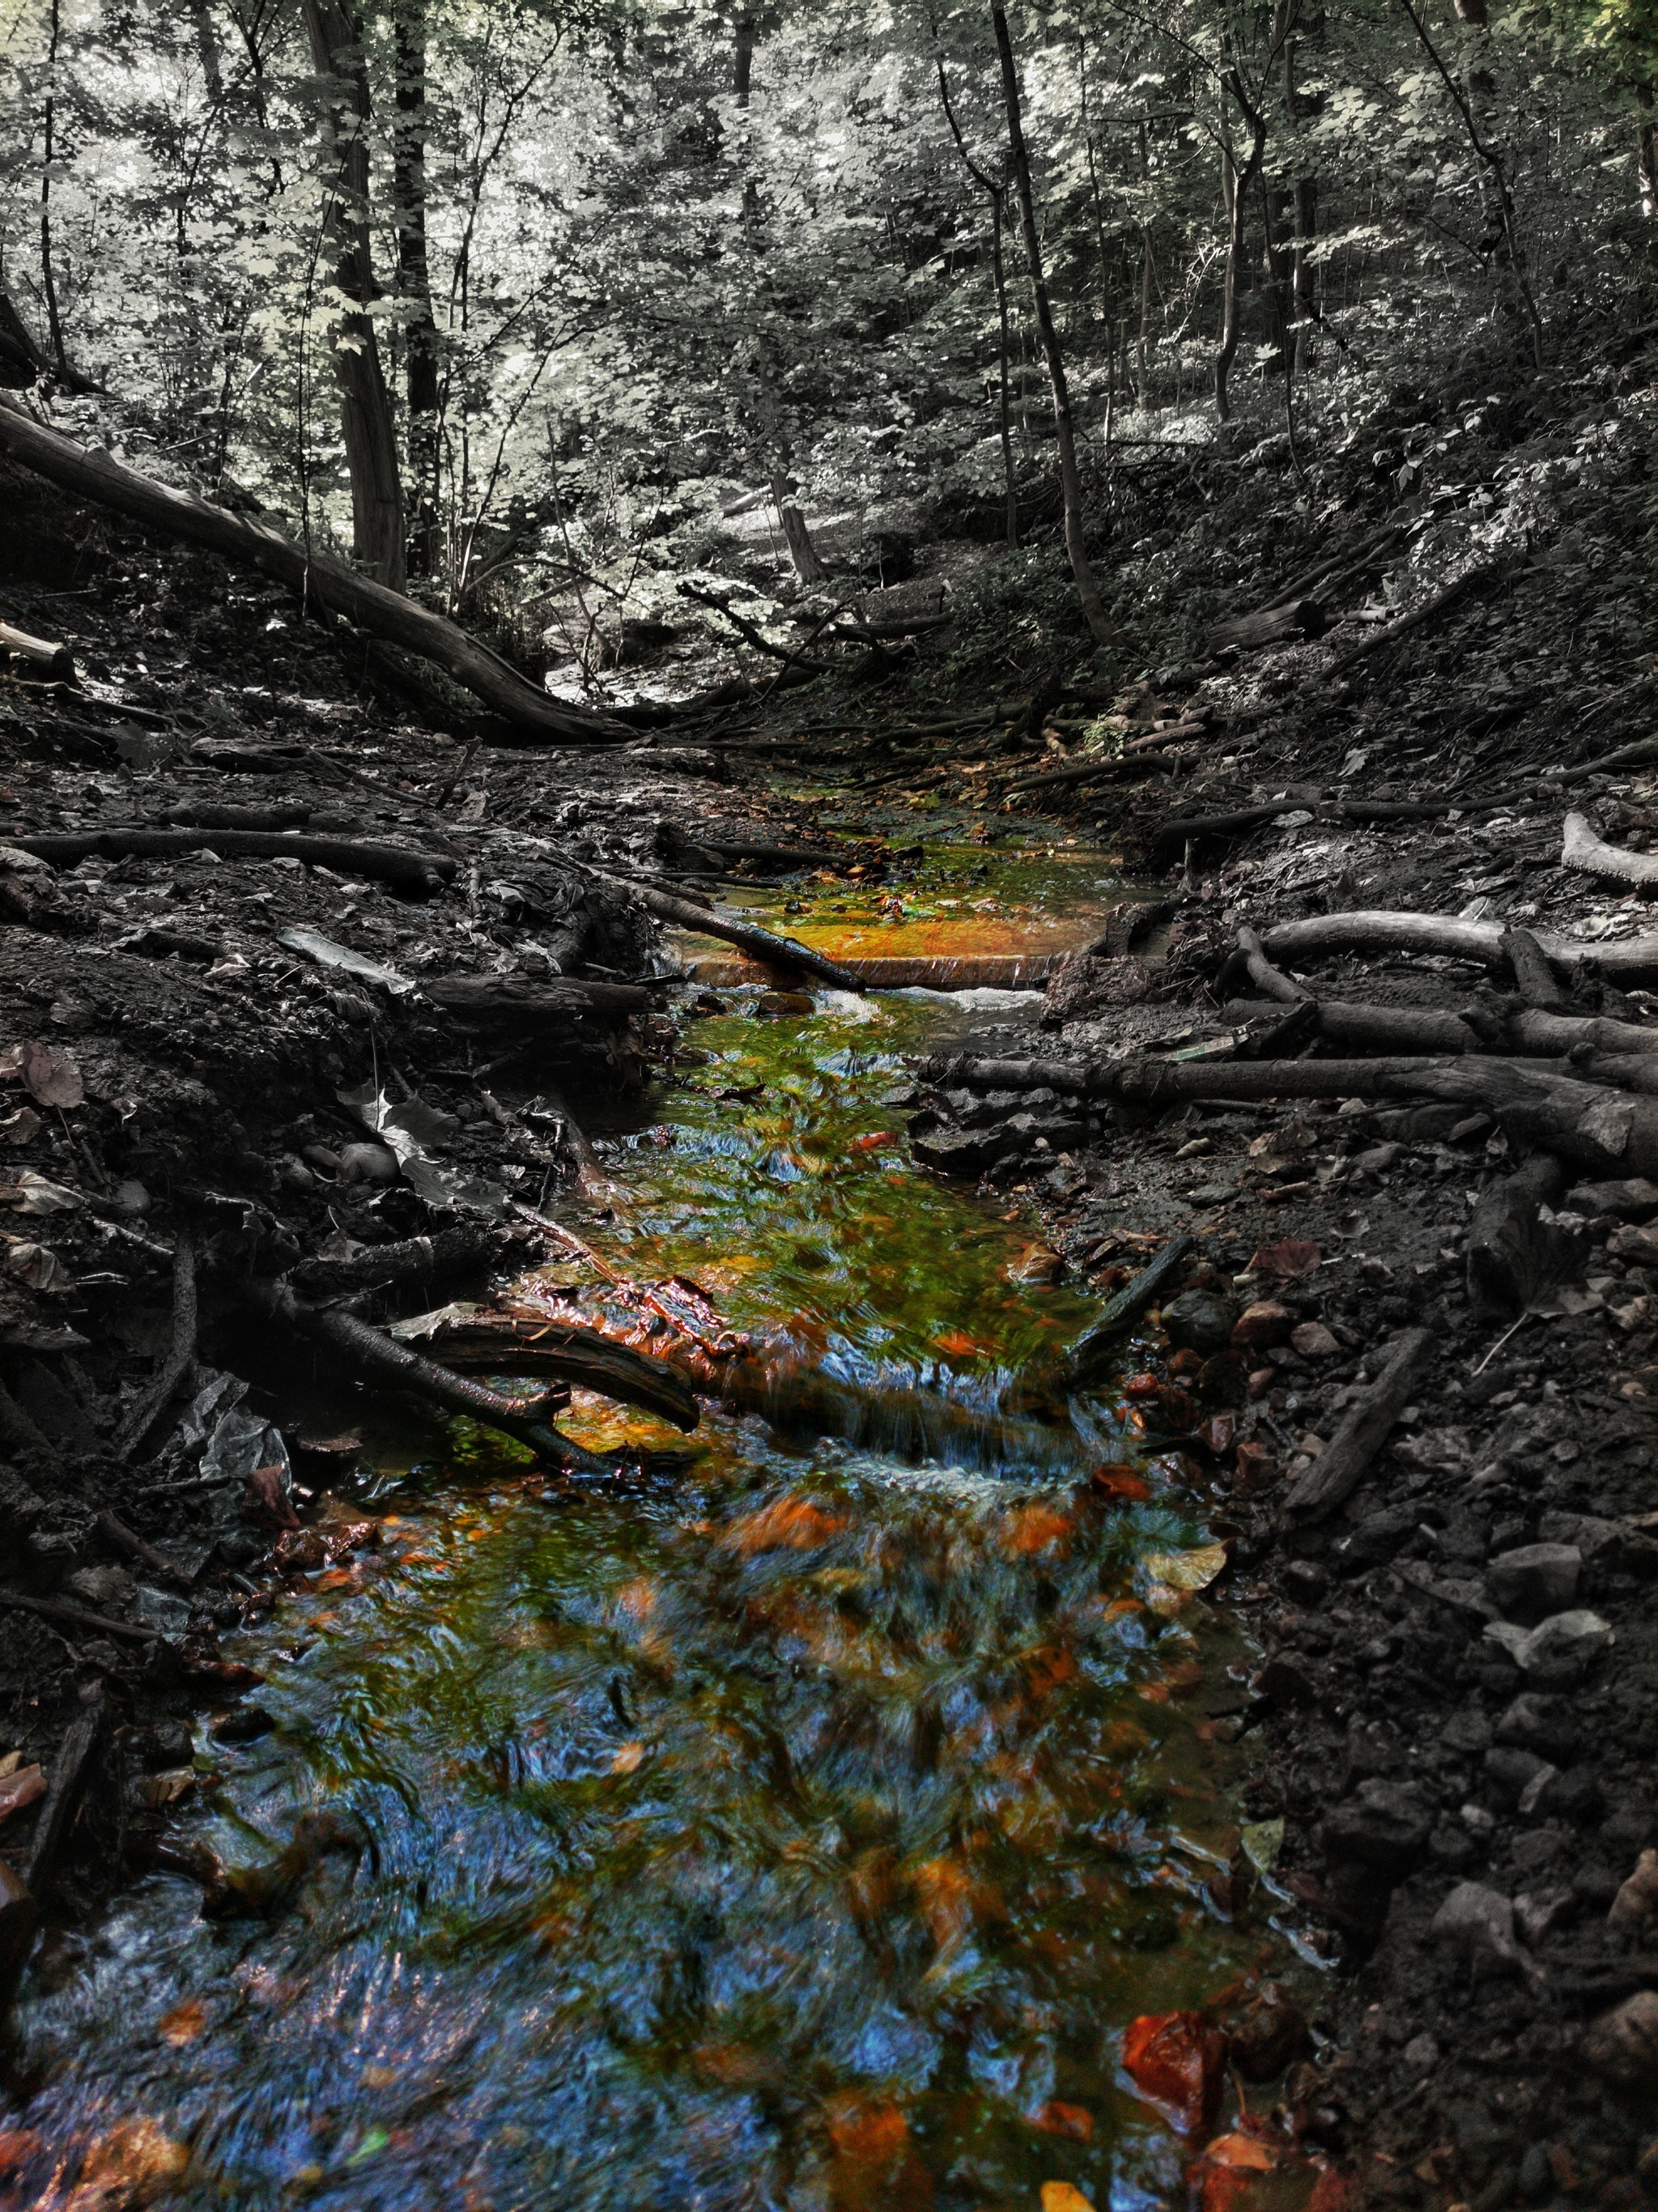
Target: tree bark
{"points": [[1646, 149], [1093, 614], [366, 423], [48, 279], [422, 344], [325, 581], [1239, 183], [996, 194]]}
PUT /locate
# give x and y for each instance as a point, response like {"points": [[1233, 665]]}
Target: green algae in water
{"points": [[800, 1833]]}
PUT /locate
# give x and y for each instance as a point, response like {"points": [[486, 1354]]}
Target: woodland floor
{"points": [[1398, 1742]]}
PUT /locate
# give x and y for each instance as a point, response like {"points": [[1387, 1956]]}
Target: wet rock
{"points": [[782, 1005], [164, 1744], [1608, 1546], [1466, 1731], [108, 1590], [1306, 1579], [1528, 1584], [1622, 2046], [1511, 1776], [1537, 1912], [242, 1725], [1382, 1826], [1199, 1320], [959, 1152], [1541, 1723], [1559, 1651], [1088, 986], [1037, 1263], [1262, 2041], [1263, 1324], [1476, 1925]]}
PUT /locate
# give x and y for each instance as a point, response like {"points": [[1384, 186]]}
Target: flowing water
{"points": [[798, 1829]]}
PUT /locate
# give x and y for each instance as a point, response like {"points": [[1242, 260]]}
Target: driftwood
{"points": [[518, 1002], [499, 1344], [329, 583], [1581, 848], [400, 866], [1510, 1255], [1375, 930], [1340, 1466], [759, 945], [38, 651], [1292, 618], [1092, 1353]]}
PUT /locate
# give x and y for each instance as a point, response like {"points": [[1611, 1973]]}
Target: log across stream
{"points": [[802, 1828]]}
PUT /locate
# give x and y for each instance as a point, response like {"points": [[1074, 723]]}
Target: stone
{"points": [[1622, 2046], [242, 1725], [1468, 1731], [1545, 1725], [1534, 1847], [782, 1005], [1270, 2033], [1575, 1794], [109, 1590], [1373, 1539], [1640, 1245], [1535, 1580], [1536, 1911], [1608, 1546], [1420, 2055], [1306, 1579], [1382, 1826], [1510, 1773], [1634, 1198], [1199, 1320], [1312, 1341], [1476, 1925], [364, 1163], [959, 1152], [1264, 1323], [1559, 1651]]}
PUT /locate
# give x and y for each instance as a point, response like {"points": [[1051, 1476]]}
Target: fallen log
{"points": [[1533, 978], [1510, 1255], [1141, 753], [91, 474], [525, 1004], [1534, 1031], [1341, 1465], [448, 1251], [1264, 975], [38, 651], [70, 1773], [1350, 1026], [1379, 930], [200, 816], [1293, 619], [400, 866], [1436, 604], [966, 972], [774, 951], [1583, 849]]}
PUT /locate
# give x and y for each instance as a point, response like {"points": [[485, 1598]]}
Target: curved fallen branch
{"points": [[1583, 849], [499, 1345], [759, 944], [93, 475], [1264, 975], [1340, 1466]]}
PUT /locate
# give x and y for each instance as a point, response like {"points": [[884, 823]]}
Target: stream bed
{"points": [[797, 1828]]}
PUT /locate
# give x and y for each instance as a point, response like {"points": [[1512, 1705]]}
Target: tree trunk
{"points": [[1238, 184], [48, 279], [996, 194], [366, 423], [1094, 612], [422, 344], [1646, 150]]}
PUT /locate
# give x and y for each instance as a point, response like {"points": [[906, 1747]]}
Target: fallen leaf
{"points": [[21, 1788], [1072, 2121], [1061, 2196], [52, 1078], [959, 1344], [138, 2155], [1187, 1571], [1175, 2059], [1286, 1260], [33, 1194], [184, 2023], [158, 1790], [19, 1126], [1262, 1842], [266, 1498], [628, 1758], [1030, 1528], [792, 1524], [1120, 1482]]}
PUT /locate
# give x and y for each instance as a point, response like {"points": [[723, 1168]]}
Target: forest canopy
{"points": [[526, 303]]}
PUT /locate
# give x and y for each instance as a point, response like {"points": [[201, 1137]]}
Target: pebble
{"points": [[1381, 1825], [1543, 1724], [1420, 2055], [1559, 1649], [1312, 1341], [1535, 1580], [1199, 1320], [1477, 1925], [1638, 1897], [1622, 2046], [367, 1163], [1265, 1323]]}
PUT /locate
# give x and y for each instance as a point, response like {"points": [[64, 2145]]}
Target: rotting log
{"points": [[401, 866], [448, 1251], [774, 951], [1264, 975], [55, 660], [1437, 603], [1292, 619], [999, 971], [91, 474], [1350, 1026], [1533, 978], [1581, 848], [1341, 1465], [1092, 1352], [1510, 1255], [126, 1540], [1368, 929]]}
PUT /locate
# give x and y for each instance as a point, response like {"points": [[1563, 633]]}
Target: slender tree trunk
{"points": [[421, 345], [1237, 184], [803, 554], [997, 194], [1094, 612], [366, 420], [1646, 150], [48, 278], [1146, 271]]}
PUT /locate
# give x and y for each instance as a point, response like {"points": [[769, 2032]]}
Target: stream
{"points": [[796, 1829]]}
